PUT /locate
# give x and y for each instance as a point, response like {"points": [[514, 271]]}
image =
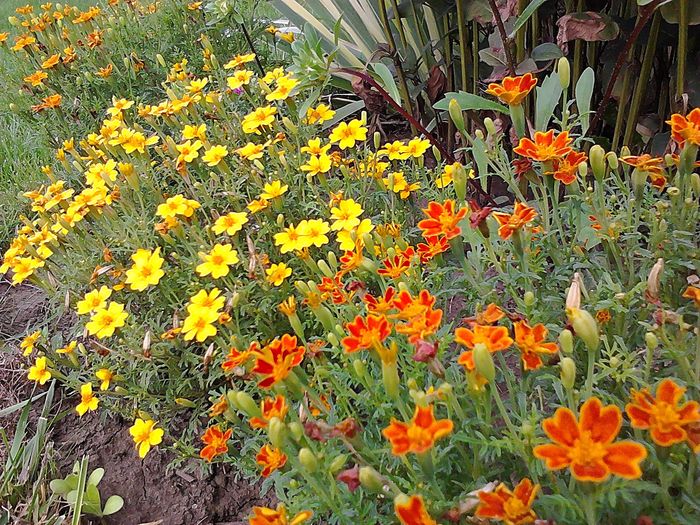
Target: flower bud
{"points": [[296, 430], [573, 295], [596, 156], [184, 402], [527, 429], [638, 180], [293, 484], [612, 159], [338, 463], [483, 360], [568, 372], [456, 115], [437, 154], [490, 126], [390, 378], [232, 398], [695, 184], [332, 260], [360, 368], [651, 341], [325, 269], [377, 139], [654, 279], [308, 460], [566, 341], [412, 384], [276, 431], [291, 127], [161, 60], [564, 72], [529, 298], [585, 326], [247, 404], [333, 339], [370, 479], [445, 389]]}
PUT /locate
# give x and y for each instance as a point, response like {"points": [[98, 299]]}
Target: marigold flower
{"points": [[530, 342], [686, 128], [277, 359], [290, 239], [396, 182], [433, 246], [511, 507], [283, 90], [411, 510], [270, 459], [217, 261], [215, 441], [566, 168], [394, 150], [417, 147], [317, 164], [510, 223], [87, 400], [274, 189], [419, 434], [495, 338], [231, 223], [366, 334], [313, 233], [346, 134], [145, 435], [277, 273], [214, 155], [346, 215], [199, 324], [513, 90], [586, 446], [39, 372], [442, 219], [146, 270], [236, 358], [212, 300], [105, 375], [251, 151], [105, 321], [394, 267], [239, 60], [258, 118], [239, 79], [319, 114], [67, 349], [177, 205], [267, 516], [27, 344], [270, 407], [545, 146], [693, 293], [663, 415]]}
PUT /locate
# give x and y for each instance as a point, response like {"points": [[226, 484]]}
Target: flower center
{"points": [[665, 415], [587, 451]]}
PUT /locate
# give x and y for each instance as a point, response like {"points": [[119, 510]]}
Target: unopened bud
{"points": [[377, 139], [456, 114], [612, 159], [276, 432], [360, 368], [483, 360], [585, 326], [566, 341], [296, 430], [651, 340], [596, 156], [370, 479], [308, 460], [247, 404], [338, 463], [490, 126], [184, 402], [695, 184], [638, 180], [325, 269], [568, 372], [564, 72], [573, 295], [529, 298]]}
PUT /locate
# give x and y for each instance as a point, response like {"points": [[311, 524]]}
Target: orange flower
{"points": [[545, 147], [510, 223], [693, 293], [216, 442], [366, 334], [419, 434], [513, 90], [411, 511], [269, 408], [662, 414], [496, 339], [267, 516], [653, 166], [492, 314], [394, 267], [686, 128], [529, 340], [236, 358], [277, 359], [270, 459], [442, 219], [433, 246], [586, 445], [381, 305], [422, 319], [566, 168], [511, 507]]}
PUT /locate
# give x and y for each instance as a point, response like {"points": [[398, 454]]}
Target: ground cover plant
{"points": [[263, 281]]}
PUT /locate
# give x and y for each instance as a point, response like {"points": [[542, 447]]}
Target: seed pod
{"points": [[651, 341], [338, 463], [568, 372], [333, 339], [360, 368], [529, 298], [308, 460], [612, 159], [483, 360], [296, 430], [377, 139]]}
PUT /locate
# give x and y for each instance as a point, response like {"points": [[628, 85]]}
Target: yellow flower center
{"points": [[587, 451], [419, 436], [515, 508], [665, 415]]}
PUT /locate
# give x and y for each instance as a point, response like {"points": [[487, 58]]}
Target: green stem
{"points": [[682, 53]]}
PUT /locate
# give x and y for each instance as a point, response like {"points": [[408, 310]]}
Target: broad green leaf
{"points": [[548, 96], [60, 487], [525, 15], [584, 92], [96, 476], [469, 101], [389, 84], [546, 51], [112, 505]]}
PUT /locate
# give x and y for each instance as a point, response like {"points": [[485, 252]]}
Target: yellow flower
{"points": [[317, 164], [258, 205], [145, 435], [231, 223], [99, 173], [313, 232], [287, 37], [319, 114], [273, 75], [214, 155], [87, 400], [347, 238], [239, 60], [68, 349], [258, 118], [39, 372], [197, 85], [347, 133], [274, 189], [177, 205], [346, 215], [199, 324], [397, 183], [277, 273], [146, 270], [394, 150], [289, 240], [190, 132], [27, 344], [206, 300], [284, 88], [23, 267], [105, 321], [217, 261], [240, 78], [416, 148], [314, 147], [188, 151], [105, 375], [251, 151], [94, 300]]}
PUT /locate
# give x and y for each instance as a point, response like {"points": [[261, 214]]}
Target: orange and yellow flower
{"points": [[693, 293], [545, 146], [366, 333], [510, 223], [270, 459], [686, 129], [530, 342], [270, 407], [512, 507], [513, 90], [411, 510], [495, 338], [663, 415], [278, 516], [442, 219], [277, 359], [216, 442], [587, 445], [419, 434]]}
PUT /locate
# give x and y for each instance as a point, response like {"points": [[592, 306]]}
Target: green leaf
{"points": [[546, 51], [525, 15], [96, 476], [548, 96], [388, 81], [112, 505], [584, 92], [60, 487], [470, 101]]}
